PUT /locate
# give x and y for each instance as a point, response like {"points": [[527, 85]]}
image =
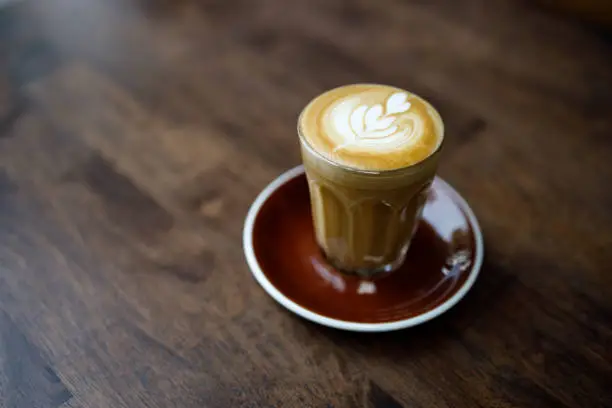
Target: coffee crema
{"points": [[371, 127]]}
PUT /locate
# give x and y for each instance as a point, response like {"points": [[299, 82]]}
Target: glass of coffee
{"points": [[370, 154]]}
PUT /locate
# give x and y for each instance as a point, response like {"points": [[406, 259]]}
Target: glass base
{"points": [[367, 272]]}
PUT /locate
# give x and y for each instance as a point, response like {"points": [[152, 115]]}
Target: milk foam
{"points": [[371, 127]]}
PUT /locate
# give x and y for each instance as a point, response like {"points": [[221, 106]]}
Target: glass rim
{"points": [[373, 172]]}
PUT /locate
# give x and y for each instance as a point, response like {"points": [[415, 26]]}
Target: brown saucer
{"points": [[442, 264]]}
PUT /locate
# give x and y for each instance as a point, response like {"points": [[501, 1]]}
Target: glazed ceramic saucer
{"points": [[441, 266]]}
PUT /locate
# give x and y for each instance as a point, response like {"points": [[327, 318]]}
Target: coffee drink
{"points": [[370, 153]]}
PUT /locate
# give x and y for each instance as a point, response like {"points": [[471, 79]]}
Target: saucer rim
{"points": [[277, 295]]}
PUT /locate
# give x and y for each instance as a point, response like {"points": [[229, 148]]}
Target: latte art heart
{"points": [[373, 127]]}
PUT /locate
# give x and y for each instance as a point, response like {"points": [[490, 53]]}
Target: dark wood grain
{"points": [[135, 134]]}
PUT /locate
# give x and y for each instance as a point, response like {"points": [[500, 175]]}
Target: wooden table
{"points": [[135, 134]]}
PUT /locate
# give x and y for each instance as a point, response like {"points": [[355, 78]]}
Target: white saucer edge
{"points": [[247, 240]]}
